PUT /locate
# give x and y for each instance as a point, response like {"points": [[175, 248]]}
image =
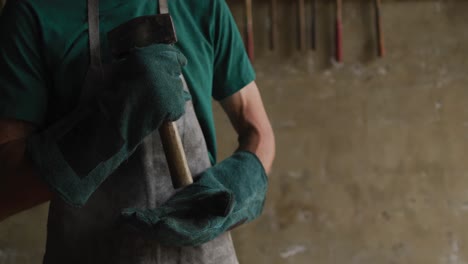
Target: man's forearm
{"points": [[261, 142], [21, 187], [248, 116]]}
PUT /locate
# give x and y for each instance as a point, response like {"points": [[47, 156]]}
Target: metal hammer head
{"points": [[141, 32]]}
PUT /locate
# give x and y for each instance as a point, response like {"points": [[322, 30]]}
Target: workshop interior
{"points": [[368, 102]]}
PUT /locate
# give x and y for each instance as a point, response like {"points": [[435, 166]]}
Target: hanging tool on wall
{"points": [[274, 25], [302, 25], [339, 32], [249, 30], [313, 24], [378, 26]]}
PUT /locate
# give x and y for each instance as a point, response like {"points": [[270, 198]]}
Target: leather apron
{"points": [[94, 233]]}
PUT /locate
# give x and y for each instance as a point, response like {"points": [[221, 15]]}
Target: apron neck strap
{"points": [[163, 7], [94, 38]]}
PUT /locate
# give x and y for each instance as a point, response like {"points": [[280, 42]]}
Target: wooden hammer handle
{"points": [[175, 155]]}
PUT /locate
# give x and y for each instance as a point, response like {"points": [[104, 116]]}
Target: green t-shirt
{"points": [[44, 54]]}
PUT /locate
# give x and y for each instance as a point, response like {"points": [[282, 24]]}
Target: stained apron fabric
{"points": [[94, 233]]}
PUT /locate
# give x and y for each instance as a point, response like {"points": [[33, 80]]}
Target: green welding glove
{"points": [[225, 196], [76, 154]]}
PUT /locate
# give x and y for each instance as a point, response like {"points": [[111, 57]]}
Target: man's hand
{"points": [[223, 197], [148, 80], [20, 186], [226, 195], [76, 154], [156, 69]]}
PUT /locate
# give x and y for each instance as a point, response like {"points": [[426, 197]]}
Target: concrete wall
{"points": [[371, 154]]}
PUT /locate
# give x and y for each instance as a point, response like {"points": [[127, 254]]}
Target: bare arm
{"points": [[20, 186], [248, 117]]}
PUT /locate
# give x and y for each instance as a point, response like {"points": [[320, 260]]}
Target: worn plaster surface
{"points": [[372, 155]]}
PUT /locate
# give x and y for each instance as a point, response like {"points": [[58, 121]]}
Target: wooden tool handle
{"points": [[313, 25], [378, 25], [249, 29], [339, 32], [175, 155], [274, 25], [302, 25]]}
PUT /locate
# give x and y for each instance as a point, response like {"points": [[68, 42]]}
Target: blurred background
{"points": [[371, 149]]}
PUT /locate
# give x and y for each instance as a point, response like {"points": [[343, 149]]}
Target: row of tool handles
{"points": [[249, 38]]}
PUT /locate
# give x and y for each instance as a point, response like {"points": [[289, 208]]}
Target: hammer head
{"points": [[141, 32]]}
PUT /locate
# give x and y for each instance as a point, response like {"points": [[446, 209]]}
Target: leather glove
{"points": [[223, 197], [76, 154]]}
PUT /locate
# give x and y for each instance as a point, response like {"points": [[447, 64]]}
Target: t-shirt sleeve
{"points": [[232, 67], [22, 83]]}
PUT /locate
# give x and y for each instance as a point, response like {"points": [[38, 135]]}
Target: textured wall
{"points": [[370, 165], [371, 161]]}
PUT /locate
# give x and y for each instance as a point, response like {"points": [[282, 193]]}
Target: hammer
{"points": [[141, 32]]}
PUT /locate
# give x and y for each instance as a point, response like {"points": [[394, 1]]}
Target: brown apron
{"points": [[94, 233]]}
